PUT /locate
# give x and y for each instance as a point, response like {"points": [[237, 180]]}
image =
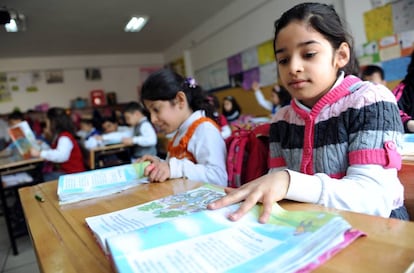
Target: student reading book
{"points": [[101, 182], [23, 138], [177, 234]]}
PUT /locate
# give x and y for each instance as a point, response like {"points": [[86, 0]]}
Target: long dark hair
{"points": [[324, 19], [60, 122], [164, 84]]}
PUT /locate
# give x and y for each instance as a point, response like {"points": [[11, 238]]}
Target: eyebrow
{"points": [[299, 45]]}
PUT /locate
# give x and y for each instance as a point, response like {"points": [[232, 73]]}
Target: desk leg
{"points": [[6, 213]]}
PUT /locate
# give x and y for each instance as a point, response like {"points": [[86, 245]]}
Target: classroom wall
{"points": [[246, 23], [120, 74]]}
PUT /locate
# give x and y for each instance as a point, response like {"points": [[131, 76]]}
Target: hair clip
{"points": [[191, 82]]}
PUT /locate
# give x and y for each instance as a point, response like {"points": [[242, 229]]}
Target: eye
{"points": [[282, 61], [309, 55]]}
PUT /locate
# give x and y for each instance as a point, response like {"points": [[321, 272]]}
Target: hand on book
{"points": [[34, 152], [267, 190]]}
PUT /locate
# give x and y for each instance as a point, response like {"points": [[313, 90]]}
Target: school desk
{"points": [[406, 175], [63, 243], [96, 155], [11, 165]]}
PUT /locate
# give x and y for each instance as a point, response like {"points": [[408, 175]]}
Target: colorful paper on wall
{"points": [[249, 59], [265, 52], [370, 53], [234, 64], [379, 22], [268, 74], [406, 40], [249, 77], [389, 48], [395, 69], [403, 19]]}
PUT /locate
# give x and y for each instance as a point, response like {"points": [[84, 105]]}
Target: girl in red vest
{"points": [[197, 150], [65, 152]]}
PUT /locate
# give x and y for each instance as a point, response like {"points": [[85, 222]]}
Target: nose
{"points": [[295, 65], [153, 118]]}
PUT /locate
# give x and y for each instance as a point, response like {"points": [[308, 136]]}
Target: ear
{"points": [[181, 99], [343, 55]]}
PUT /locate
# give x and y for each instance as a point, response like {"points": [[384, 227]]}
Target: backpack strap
{"points": [[180, 151]]}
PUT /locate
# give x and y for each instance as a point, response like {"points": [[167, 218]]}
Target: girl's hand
{"points": [[267, 190], [158, 171], [34, 152], [127, 141]]}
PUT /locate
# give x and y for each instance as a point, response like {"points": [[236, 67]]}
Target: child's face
{"points": [[84, 126], [109, 127], [133, 118], [228, 105], [375, 78], [165, 115], [307, 63]]}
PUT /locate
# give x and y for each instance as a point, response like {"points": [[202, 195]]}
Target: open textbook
{"points": [[122, 221], [100, 182], [177, 234], [23, 138]]}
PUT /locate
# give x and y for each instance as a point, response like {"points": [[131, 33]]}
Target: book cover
{"points": [[100, 182], [206, 241], [23, 138], [122, 221]]}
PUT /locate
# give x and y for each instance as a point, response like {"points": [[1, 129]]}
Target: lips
{"points": [[297, 83]]}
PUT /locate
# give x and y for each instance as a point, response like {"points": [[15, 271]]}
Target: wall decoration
{"points": [[265, 52], [54, 76], [249, 59], [93, 74], [395, 69], [402, 15], [379, 22], [234, 64], [249, 77], [268, 74], [406, 40], [5, 95]]}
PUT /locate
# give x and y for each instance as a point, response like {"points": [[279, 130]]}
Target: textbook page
{"points": [[164, 209], [23, 138], [207, 241], [95, 183]]}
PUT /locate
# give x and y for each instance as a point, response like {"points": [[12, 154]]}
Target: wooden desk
{"points": [[96, 154], [63, 243], [406, 175], [11, 165]]}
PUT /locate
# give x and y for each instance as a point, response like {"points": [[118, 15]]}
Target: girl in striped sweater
{"points": [[337, 143]]}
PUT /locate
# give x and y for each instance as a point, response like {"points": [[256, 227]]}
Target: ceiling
{"points": [[75, 27]]}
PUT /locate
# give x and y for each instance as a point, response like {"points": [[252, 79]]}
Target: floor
{"points": [[24, 262]]}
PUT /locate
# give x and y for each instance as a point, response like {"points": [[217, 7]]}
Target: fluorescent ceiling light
{"points": [[136, 23]]}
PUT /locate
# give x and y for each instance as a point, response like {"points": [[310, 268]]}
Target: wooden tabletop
{"points": [[64, 244]]}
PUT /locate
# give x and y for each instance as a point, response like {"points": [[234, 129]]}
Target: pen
{"points": [[39, 198]]}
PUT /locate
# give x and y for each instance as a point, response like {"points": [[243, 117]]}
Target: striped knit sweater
{"points": [[354, 123]]}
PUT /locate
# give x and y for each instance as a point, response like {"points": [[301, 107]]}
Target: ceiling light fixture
{"points": [[136, 23], [16, 22]]}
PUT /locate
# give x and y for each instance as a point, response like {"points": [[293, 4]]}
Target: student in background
{"points": [[336, 144], [404, 93], [280, 97], [197, 150], [219, 118], [375, 74], [144, 137], [65, 151], [86, 129], [231, 109], [112, 133]]}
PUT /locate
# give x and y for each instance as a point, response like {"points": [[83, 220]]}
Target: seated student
{"points": [[231, 109], [221, 120], [280, 97], [65, 153], [336, 144], [112, 133], [197, 150], [144, 136], [375, 74], [86, 129]]}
